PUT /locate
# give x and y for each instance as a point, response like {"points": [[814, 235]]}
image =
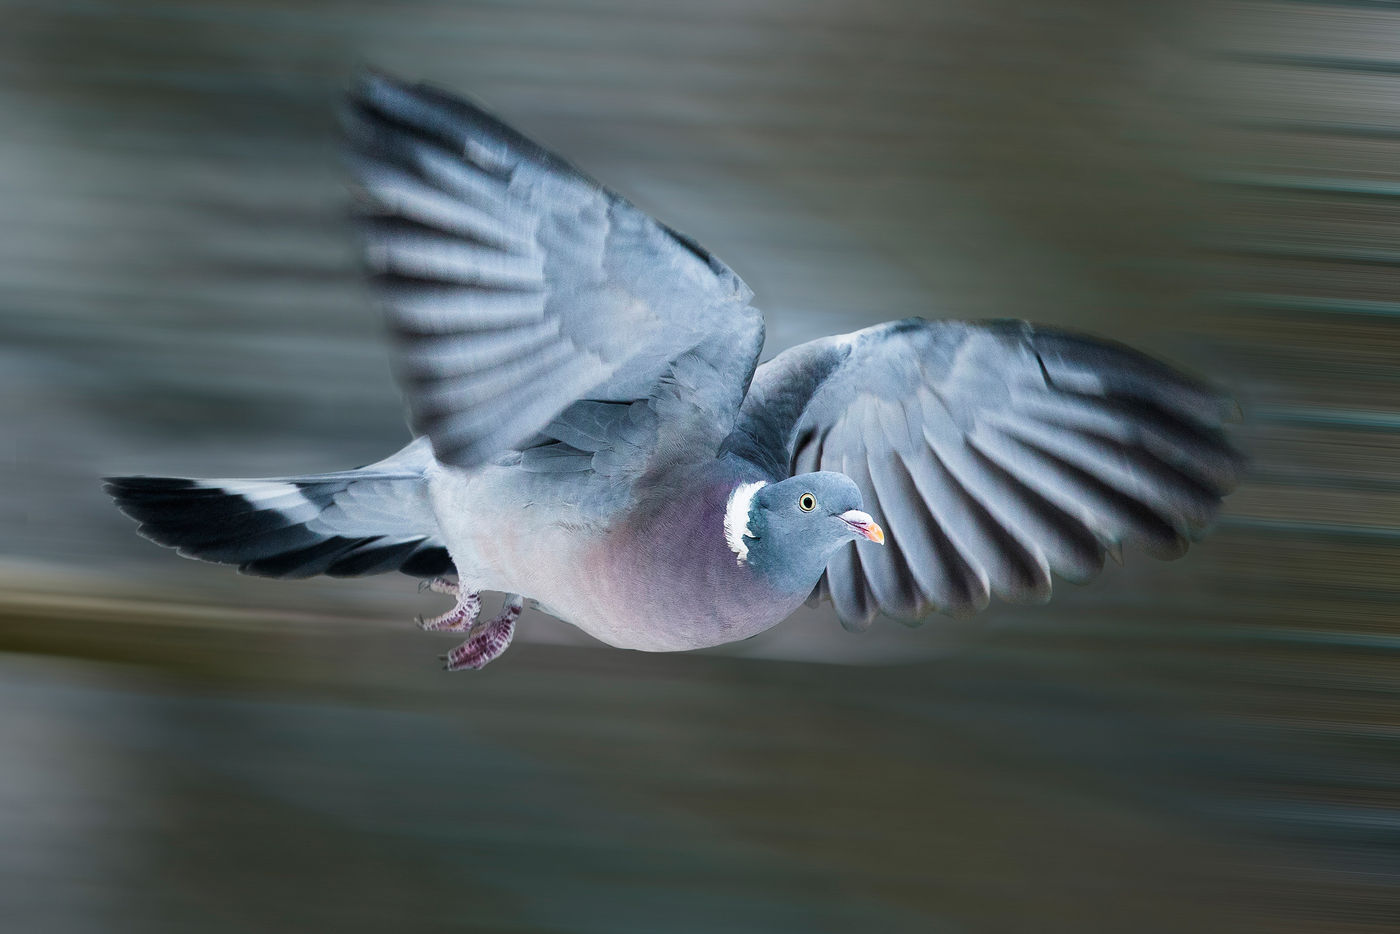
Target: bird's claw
{"points": [[484, 642], [490, 641], [461, 618]]}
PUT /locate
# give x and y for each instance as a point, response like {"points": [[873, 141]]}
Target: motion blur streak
{"points": [[1205, 745]]}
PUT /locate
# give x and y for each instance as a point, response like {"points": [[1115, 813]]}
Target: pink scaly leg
{"points": [[488, 644], [462, 617]]}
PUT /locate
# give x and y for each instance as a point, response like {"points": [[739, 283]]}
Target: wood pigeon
{"points": [[595, 433]]}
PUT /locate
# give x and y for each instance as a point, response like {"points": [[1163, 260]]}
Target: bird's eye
{"points": [[807, 502]]}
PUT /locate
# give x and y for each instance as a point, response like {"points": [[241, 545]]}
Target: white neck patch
{"points": [[736, 518]]}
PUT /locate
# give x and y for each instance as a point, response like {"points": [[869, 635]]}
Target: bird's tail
{"points": [[344, 524]]}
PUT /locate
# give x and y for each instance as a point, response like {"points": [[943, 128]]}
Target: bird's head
{"points": [[789, 530]]}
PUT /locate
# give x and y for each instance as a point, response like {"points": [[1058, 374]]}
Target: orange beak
{"points": [[864, 526]]}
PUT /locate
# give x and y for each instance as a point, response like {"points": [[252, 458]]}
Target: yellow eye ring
{"points": [[806, 502]]}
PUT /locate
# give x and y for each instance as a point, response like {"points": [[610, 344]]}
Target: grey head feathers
{"points": [[795, 526]]}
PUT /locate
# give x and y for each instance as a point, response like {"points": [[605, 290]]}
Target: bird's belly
{"points": [[631, 587], [656, 626], [625, 602], [664, 596]]}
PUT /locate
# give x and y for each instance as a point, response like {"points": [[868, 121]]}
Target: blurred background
{"points": [[1203, 745]]}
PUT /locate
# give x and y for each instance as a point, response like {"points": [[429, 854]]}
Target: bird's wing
{"points": [[515, 286], [992, 453]]}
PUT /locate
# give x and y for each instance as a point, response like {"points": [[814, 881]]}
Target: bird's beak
{"points": [[864, 526]]}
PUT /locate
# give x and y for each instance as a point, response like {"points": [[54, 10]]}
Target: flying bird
{"points": [[594, 433]]}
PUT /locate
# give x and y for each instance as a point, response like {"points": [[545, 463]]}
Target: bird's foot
{"points": [[439, 585], [488, 644], [461, 618]]}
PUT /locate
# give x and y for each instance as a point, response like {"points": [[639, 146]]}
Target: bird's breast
{"points": [[665, 580]]}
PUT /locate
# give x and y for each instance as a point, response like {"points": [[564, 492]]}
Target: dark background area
{"points": [[1202, 745]]}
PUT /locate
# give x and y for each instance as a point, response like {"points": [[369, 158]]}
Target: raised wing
{"points": [[515, 286], [993, 453]]}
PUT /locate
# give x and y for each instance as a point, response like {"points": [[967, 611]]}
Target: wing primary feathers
{"points": [[1202, 451], [448, 395], [880, 571], [1180, 499], [1110, 513], [892, 579], [443, 356], [855, 606], [1011, 569], [964, 587], [463, 129], [484, 139], [429, 255], [393, 193], [378, 139], [1099, 367], [932, 549], [1004, 564], [850, 593], [1070, 546], [424, 307]]}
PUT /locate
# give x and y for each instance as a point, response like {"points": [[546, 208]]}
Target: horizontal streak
{"points": [[1313, 127], [1320, 529], [1343, 254], [1314, 184], [1328, 418], [1265, 301], [1370, 66], [1105, 622], [1392, 5], [1323, 481]]}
